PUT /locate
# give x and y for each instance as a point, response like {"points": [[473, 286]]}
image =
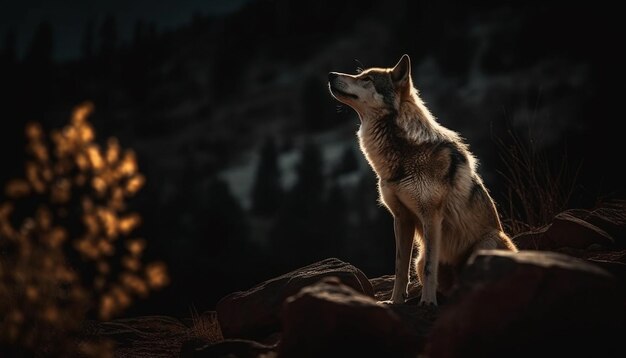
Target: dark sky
{"points": [[69, 17]]}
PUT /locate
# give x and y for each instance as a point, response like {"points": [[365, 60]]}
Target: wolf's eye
{"points": [[367, 79]]}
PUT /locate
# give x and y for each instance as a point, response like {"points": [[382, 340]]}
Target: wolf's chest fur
{"points": [[401, 149], [424, 165]]}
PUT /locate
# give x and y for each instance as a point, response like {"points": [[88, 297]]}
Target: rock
{"points": [[567, 229], [612, 261], [532, 240], [144, 336], [383, 286], [610, 217], [254, 313], [329, 319], [239, 348], [529, 303], [420, 319]]}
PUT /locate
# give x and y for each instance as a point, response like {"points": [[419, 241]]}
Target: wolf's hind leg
{"points": [[495, 240]]}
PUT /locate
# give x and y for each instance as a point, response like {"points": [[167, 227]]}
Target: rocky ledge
{"points": [[563, 293]]}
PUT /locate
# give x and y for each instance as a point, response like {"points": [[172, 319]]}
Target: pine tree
{"points": [[310, 185], [319, 108], [139, 33], [267, 192], [224, 220], [348, 162], [301, 219], [374, 230], [108, 35], [9, 48], [38, 79], [86, 45], [40, 51], [334, 221]]}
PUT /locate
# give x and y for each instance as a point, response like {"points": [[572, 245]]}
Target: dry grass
{"points": [[150, 336], [154, 336], [537, 188], [205, 327]]}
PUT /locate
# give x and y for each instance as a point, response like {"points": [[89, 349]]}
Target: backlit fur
{"points": [[427, 176]]}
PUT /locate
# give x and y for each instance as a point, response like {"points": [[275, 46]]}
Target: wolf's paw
{"points": [[390, 302], [432, 304], [429, 309]]}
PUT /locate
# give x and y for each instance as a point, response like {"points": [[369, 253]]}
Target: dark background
{"points": [[252, 169]]}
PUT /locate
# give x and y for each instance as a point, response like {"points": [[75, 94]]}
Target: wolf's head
{"points": [[374, 91]]}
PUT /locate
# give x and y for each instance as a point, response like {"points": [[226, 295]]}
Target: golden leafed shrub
{"points": [[66, 239]]}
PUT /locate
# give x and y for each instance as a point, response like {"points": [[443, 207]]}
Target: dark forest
{"points": [[216, 151]]}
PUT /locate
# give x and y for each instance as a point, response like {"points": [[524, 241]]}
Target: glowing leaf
{"points": [[39, 151], [17, 188], [81, 112], [82, 161], [34, 131], [121, 298], [56, 237], [32, 175], [106, 248], [61, 192], [128, 223], [136, 246], [134, 184], [44, 218], [134, 284], [91, 223], [113, 151], [99, 185], [103, 267], [107, 306], [156, 274], [32, 293], [95, 157], [128, 166], [131, 263], [109, 222], [51, 314], [86, 133]]}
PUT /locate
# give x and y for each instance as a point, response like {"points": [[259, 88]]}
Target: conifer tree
{"points": [[267, 192]]}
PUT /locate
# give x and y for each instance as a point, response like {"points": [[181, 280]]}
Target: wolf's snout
{"points": [[338, 87]]}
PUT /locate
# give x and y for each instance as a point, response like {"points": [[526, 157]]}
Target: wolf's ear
{"points": [[401, 72]]}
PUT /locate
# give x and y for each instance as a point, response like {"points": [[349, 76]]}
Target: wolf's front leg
{"points": [[430, 259], [404, 231]]}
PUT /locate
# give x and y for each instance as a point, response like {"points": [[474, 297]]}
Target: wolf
{"points": [[427, 177]]}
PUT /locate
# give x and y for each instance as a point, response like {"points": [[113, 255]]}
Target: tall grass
{"points": [[538, 186]]}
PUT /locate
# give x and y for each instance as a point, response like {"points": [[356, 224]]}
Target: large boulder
{"points": [[568, 229], [610, 217], [329, 319], [254, 313], [613, 261], [240, 348], [529, 303]]}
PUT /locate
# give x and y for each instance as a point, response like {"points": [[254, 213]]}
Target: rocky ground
{"points": [[563, 293]]}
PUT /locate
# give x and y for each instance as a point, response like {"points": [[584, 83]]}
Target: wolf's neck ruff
{"points": [[417, 122], [383, 137]]}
